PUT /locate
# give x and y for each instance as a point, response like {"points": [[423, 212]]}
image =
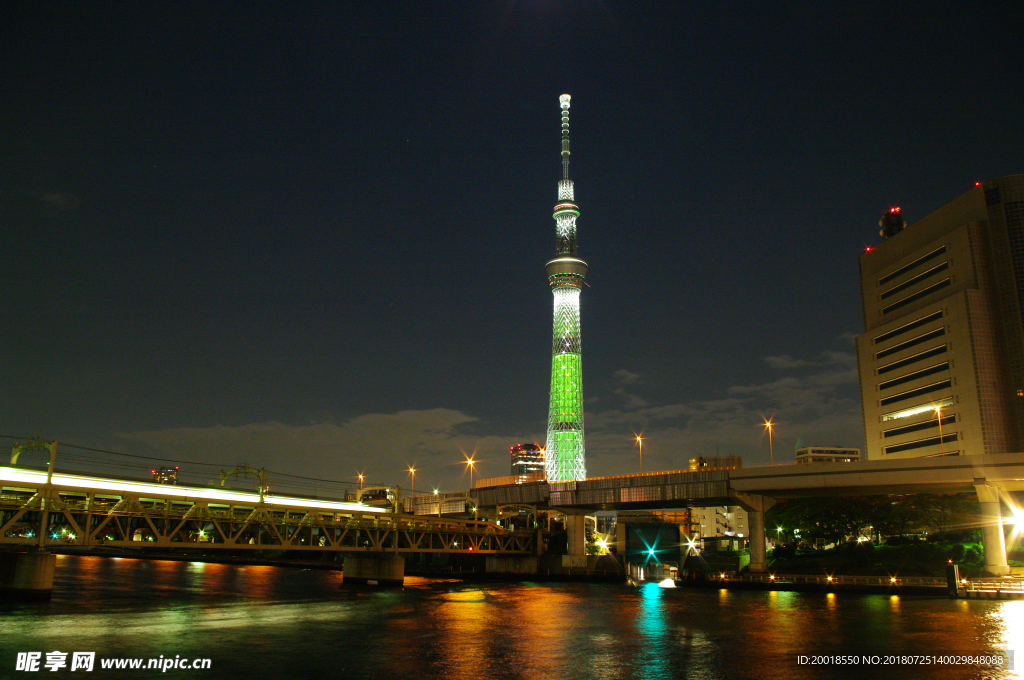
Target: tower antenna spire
{"points": [[564, 454], [563, 102]]}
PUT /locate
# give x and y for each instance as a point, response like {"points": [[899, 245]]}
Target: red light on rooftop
{"points": [[867, 249], [977, 184]]}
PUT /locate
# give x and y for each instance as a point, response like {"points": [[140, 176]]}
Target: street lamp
{"points": [[938, 417], [412, 472], [640, 441], [470, 462], [360, 481], [771, 448]]}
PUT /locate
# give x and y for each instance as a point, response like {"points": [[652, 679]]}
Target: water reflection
{"points": [[265, 622]]}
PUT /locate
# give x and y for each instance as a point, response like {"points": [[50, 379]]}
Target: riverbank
{"points": [[800, 583]]}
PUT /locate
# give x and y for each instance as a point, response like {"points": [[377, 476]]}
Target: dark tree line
{"points": [[845, 518]]}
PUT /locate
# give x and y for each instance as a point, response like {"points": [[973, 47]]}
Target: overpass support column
{"points": [[373, 569], [992, 537], [27, 575], [576, 528], [755, 506]]}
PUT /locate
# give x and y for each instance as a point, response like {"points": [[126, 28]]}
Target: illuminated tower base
{"points": [[565, 450]]}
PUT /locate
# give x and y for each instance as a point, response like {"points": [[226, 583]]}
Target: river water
{"points": [[266, 622]]}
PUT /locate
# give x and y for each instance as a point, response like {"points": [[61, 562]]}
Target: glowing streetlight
{"points": [[470, 462], [771, 448], [412, 473], [360, 481], [938, 417], [640, 441]]}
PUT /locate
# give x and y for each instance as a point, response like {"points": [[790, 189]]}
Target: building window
{"points": [[931, 335], [906, 328], [928, 354], [927, 389], [921, 443], [915, 280], [928, 424], [914, 410], [913, 265], [917, 296], [902, 380]]}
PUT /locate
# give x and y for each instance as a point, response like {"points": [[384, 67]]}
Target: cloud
{"points": [[826, 358], [627, 377], [381, 444], [818, 403]]}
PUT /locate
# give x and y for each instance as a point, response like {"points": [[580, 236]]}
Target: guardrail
{"points": [[847, 580]]}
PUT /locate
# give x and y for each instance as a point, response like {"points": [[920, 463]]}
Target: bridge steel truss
{"points": [[164, 518]]}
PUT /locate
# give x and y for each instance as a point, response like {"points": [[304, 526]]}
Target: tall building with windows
{"points": [[942, 359], [527, 459]]}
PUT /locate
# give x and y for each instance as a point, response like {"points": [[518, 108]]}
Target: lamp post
{"points": [[412, 473], [771, 448], [640, 441], [360, 482], [470, 462]]}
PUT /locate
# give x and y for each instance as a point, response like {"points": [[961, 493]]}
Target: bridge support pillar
{"points": [[27, 575], [992, 537], [576, 528], [364, 568], [755, 506]]}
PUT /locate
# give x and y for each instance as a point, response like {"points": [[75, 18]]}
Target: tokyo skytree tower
{"points": [[564, 453]]}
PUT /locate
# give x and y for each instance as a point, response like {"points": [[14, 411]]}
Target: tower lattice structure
{"points": [[564, 452]]}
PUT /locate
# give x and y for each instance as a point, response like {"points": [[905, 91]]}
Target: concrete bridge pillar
{"points": [[992, 537], [755, 506], [373, 569], [576, 528], [27, 575]]}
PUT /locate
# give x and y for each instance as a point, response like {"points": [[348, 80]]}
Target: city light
{"points": [[153, 489], [640, 441], [771, 449]]}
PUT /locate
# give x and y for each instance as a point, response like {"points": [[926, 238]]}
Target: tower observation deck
{"points": [[564, 452]]}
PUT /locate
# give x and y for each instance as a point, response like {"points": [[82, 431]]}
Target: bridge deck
{"points": [[89, 511]]}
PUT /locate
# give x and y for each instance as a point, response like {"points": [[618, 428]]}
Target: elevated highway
{"points": [[992, 477]]}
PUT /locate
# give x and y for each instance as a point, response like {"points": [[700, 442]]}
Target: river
{"points": [[256, 622]]}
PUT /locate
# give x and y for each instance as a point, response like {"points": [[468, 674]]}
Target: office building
{"points": [[942, 360], [827, 454], [527, 459]]}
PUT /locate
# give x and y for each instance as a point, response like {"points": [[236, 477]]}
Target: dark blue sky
{"points": [[313, 238]]}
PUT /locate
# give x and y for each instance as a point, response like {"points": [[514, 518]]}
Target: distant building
{"points": [[165, 475], [716, 463], [719, 522], [942, 360], [827, 454], [527, 459]]}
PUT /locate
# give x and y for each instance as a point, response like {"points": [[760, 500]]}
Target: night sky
{"points": [[312, 236]]}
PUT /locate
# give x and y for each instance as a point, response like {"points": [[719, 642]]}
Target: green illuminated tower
{"points": [[564, 453]]}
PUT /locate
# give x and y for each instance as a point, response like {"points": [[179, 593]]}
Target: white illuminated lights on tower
{"points": [[564, 454]]}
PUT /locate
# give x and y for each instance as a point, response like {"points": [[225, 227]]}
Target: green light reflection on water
{"points": [[653, 628]]}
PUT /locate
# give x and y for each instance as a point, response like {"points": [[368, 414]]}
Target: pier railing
{"points": [[846, 580]]}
